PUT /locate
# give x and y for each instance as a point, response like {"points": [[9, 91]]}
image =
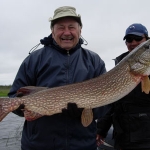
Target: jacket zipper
{"points": [[68, 54]]}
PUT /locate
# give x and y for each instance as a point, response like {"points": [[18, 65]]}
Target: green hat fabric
{"points": [[66, 11]]}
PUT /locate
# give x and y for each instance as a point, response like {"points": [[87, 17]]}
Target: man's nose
{"points": [[67, 31]]}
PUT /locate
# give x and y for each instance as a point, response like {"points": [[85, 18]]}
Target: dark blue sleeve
{"points": [[23, 78], [99, 65]]}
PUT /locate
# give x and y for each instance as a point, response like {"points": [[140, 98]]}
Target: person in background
{"points": [[61, 61], [130, 115]]}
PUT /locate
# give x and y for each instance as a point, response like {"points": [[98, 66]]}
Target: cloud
{"points": [[24, 23]]}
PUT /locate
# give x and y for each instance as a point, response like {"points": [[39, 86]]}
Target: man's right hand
{"points": [[21, 111]]}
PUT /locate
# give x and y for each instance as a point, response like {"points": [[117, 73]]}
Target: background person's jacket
{"points": [[52, 66], [130, 117]]}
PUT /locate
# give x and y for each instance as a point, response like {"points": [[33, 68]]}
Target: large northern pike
{"points": [[100, 91]]}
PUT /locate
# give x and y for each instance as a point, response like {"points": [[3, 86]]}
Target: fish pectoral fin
{"points": [[145, 84], [31, 115], [86, 117]]}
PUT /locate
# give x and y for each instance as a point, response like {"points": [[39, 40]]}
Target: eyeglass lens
{"points": [[129, 39]]}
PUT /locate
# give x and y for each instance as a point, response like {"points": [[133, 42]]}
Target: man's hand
{"points": [[72, 110], [99, 140], [19, 111]]}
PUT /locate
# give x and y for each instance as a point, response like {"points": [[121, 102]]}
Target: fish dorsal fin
{"points": [[30, 90], [87, 116], [145, 84]]}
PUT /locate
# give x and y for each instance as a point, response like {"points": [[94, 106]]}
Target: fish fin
{"points": [[87, 116], [145, 84], [3, 113], [30, 90], [31, 115]]}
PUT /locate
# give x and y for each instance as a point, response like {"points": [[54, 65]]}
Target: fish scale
{"points": [[89, 94]]}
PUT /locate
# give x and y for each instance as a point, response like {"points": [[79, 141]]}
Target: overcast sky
{"points": [[24, 22]]}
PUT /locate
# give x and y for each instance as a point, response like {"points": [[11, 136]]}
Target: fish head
{"points": [[139, 59]]}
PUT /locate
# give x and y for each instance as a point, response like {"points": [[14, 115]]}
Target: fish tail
{"points": [[6, 106], [3, 114]]}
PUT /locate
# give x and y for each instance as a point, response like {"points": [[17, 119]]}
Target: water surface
{"points": [[10, 132]]}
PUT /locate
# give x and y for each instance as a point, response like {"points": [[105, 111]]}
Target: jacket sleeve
{"points": [[23, 78], [99, 65], [97, 62], [104, 123]]}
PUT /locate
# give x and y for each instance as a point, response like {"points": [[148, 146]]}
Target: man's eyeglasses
{"points": [[129, 39]]}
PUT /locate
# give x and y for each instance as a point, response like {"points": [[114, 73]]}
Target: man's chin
{"points": [[67, 47]]}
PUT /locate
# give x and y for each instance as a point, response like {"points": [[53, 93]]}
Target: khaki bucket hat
{"points": [[65, 11]]}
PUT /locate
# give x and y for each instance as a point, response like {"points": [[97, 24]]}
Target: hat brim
{"points": [[133, 33], [63, 16]]}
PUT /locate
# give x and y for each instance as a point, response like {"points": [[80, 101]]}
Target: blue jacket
{"points": [[52, 66]]}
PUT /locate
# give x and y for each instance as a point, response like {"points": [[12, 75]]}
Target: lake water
{"points": [[10, 132]]}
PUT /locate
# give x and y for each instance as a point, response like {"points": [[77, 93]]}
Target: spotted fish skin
{"points": [[92, 93]]}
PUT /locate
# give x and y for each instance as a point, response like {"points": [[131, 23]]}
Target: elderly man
{"points": [[61, 61]]}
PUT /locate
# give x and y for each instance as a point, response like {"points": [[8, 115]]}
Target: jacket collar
{"points": [[57, 47], [120, 57]]}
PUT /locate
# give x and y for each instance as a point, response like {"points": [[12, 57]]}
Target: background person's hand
{"points": [[99, 140]]}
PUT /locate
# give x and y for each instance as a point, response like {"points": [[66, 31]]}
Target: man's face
{"points": [[66, 32], [133, 41]]}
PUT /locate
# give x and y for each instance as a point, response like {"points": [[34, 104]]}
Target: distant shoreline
{"points": [[4, 90]]}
